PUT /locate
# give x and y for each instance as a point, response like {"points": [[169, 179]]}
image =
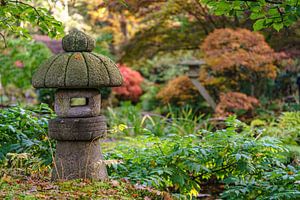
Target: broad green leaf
{"points": [[259, 24]]}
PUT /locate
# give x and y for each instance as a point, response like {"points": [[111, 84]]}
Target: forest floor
{"points": [[39, 186]]}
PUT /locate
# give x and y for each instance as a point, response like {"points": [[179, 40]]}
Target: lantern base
{"points": [[79, 159]]}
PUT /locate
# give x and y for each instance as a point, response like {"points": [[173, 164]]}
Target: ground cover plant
{"points": [[185, 160], [35, 187], [186, 165]]}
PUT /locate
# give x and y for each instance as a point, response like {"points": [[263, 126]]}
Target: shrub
{"points": [[131, 89], [179, 91], [236, 103], [19, 60], [162, 68], [287, 128], [148, 99], [184, 164], [142, 123], [280, 183], [25, 131], [242, 56]]}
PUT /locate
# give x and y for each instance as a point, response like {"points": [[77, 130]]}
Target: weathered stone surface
{"points": [[77, 129], [115, 77], [98, 74], [55, 76], [78, 41], [78, 70], [63, 107], [75, 160], [38, 80]]}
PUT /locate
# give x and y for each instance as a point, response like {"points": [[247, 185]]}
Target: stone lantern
{"points": [[193, 74], [77, 74]]}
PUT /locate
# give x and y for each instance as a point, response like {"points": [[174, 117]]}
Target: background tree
{"points": [[266, 13], [242, 57]]}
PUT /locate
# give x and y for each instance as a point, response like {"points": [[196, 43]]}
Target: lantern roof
{"points": [[77, 67]]}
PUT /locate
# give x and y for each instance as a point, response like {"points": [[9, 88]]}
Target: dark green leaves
{"points": [[24, 131], [16, 16], [264, 13], [183, 163]]}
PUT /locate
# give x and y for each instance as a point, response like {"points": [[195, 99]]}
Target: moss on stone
{"points": [[38, 79], [98, 74], [113, 71], [77, 68], [78, 41], [76, 73], [55, 77]]}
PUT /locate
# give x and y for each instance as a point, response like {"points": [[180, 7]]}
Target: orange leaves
{"points": [[232, 102], [178, 91], [239, 50]]}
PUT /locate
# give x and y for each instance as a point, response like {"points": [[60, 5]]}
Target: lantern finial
{"points": [[78, 41]]}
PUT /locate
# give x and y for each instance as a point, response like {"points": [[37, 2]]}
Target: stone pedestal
{"points": [[78, 151], [76, 159]]}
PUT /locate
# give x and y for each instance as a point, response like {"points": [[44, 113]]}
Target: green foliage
{"points": [[287, 128], [148, 99], [161, 69], [25, 131], [19, 60], [265, 13], [181, 164], [102, 45], [181, 122], [280, 183], [16, 15], [46, 95]]}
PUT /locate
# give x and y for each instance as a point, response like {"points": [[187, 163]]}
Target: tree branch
{"points": [[4, 39], [30, 6]]}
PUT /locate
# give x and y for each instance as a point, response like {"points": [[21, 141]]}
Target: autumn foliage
{"points": [[178, 92], [233, 102], [131, 88], [239, 54]]}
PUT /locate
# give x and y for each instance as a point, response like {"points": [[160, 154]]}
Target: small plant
{"points": [[280, 183], [25, 131], [287, 128]]}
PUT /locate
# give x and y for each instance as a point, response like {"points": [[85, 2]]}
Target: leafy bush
{"points": [[236, 103], [182, 122], [287, 128], [242, 56], [161, 69], [280, 183], [148, 99], [25, 131], [179, 91], [183, 164], [19, 60], [131, 88]]}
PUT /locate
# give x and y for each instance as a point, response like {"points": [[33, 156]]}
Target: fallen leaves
{"points": [[42, 188]]}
